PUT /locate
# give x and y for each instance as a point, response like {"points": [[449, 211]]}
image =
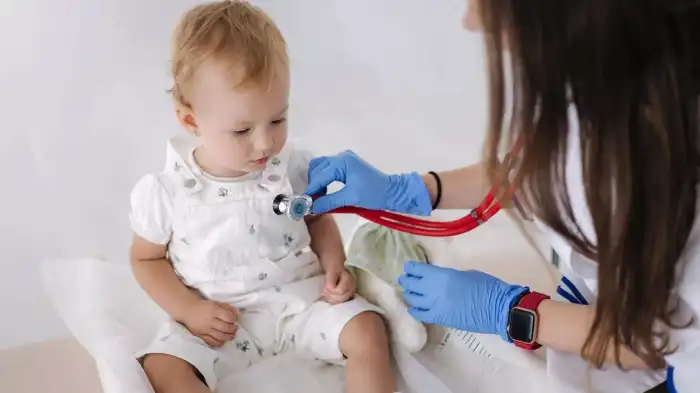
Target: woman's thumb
{"points": [[321, 178]]}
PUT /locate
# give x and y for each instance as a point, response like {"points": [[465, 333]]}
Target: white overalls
{"points": [[225, 241], [579, 285]]}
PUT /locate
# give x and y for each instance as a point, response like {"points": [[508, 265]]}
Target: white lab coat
{"points": [[579, 285]]}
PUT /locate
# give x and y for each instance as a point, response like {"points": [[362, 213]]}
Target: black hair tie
{"points": [[439, 189]]}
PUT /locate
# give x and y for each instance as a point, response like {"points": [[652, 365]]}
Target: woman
{"points": [[605, 105]]}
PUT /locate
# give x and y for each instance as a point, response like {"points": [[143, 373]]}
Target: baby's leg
{"points": [[364, 341], [170, 374]]}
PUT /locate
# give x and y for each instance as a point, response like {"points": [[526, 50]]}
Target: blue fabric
{"points": [[574, 290], [566, 295], [669, 380]]}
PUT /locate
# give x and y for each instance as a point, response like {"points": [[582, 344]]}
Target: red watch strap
{"points": [[530, 301]]}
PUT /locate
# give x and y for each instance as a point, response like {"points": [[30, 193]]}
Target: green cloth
{"points": [[382, 252]]}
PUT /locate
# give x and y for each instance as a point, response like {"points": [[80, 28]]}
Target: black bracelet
{"points": [[439, 189]]}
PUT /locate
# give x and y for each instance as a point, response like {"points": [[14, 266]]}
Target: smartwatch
{"points": [[523, 321]]}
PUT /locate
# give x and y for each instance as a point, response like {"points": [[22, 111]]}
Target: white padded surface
{"points": [[498, 248]]}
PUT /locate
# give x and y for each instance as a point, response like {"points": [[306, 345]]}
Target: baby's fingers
{"points": [[224, 327], [211, 341], [221, 336], [329, 298], [226, 313], [336, 299], [347, 284]]}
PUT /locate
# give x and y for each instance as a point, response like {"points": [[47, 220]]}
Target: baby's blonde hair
{"points": [[235, 33]]}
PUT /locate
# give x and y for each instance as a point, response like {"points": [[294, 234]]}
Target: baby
{"points": [[239, 282]]}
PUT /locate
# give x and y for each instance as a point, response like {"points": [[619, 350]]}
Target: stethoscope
{"points": [[297, 207]]}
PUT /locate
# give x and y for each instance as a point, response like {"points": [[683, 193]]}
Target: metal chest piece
{"points": [[296, 207]]}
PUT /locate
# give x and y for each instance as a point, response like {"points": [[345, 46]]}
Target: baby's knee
{"points": [[365, 334], [169, 374]]}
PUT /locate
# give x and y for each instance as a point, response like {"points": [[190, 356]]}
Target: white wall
{"points": [[84, 114]]}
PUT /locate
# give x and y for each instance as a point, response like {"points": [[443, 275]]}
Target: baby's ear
{"points": [[186, 117]]}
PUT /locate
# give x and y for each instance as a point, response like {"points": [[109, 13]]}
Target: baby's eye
{"points": [[279, 121], [242, 132]]}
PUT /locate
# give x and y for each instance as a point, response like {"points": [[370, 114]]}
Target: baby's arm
{"points": [[151, 215], [157, 277], [326, 242], [151, 221], [213, 322]]}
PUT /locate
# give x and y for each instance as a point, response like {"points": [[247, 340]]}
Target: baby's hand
{"points": [[340, 286], [213, 322]]}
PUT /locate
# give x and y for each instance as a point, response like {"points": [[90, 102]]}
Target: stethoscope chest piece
{"points": [[295, 207]]}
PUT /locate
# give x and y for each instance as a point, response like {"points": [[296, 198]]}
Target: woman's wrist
{"points": [[462, 188], [431, 187], [565, 327], [510, 298]]}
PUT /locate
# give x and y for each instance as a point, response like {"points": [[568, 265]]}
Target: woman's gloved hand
{"points": [[468, 300], [365, 186]]}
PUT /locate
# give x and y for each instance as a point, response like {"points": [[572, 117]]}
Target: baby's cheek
{"points": [[236, 153], [280, 138]]}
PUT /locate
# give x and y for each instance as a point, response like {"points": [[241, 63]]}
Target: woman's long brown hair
{"points": [[631, 70]]}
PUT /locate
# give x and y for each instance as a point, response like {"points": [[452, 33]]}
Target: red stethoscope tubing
{"points": [[487, 209], [482, 213]]}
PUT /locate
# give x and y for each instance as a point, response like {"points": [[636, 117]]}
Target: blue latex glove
{"points": [[468, 300], [365, 186]]}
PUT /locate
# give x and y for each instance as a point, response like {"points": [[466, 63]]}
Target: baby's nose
{"points": [[264, 141]]}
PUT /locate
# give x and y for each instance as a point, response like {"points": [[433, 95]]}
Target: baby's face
{"points": [[239, 128]]}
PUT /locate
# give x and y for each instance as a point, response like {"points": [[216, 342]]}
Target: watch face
{"points": [[522, 325]]}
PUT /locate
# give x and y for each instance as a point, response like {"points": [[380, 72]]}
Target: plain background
{"points": [[85, 113]]}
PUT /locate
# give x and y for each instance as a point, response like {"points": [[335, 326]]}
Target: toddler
{"points": [[239, 282]]}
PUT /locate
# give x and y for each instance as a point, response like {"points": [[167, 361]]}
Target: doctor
{"points": [[606, 106]]}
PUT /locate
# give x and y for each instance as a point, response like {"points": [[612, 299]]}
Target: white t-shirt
{"points": [[579, 285], [223, 237]]}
